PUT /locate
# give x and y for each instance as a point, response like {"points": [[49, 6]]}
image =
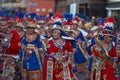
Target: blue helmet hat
{"points": [[101, 22], [82, 17], [31, 19], [107, 31], [49, 18], [40, 19], [20, 19]]}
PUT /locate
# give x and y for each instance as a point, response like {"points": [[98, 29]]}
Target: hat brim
{"points": [[31, 25], [108, 35]]}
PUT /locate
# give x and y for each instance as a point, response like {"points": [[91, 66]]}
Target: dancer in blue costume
{"points": [[32, 50], [79, 55]]}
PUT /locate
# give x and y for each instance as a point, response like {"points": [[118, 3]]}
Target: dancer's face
{"points": [[56, 34], [4, 26]]}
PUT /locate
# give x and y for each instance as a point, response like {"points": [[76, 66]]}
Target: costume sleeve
{"points": [[114, 51], [15, 40], [39, 42], [14, 46]]}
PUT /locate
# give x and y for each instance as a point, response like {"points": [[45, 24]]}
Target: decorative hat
{"points": [[67, 20], [57, 20], [57, 25], [9, 17], [82, 18], [31, 19], [3, 15], [88, 25], [40, 19], [109, 31], [50, 18], [19, 19], [75, 20], [109, 21], [101, 22], [57, 17]]}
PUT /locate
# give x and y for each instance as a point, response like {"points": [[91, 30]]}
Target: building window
{"points": [[43, 10], [49, 10]]}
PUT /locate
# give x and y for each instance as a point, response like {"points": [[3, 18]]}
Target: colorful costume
{"points": [[104, 59], [103, 63], [32, 47], [80, 54], [8, 60], [31, 56], [58, 69], [13, 47]]}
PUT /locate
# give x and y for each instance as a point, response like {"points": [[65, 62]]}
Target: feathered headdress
{"points": [[109, 31], [31, 19], [75, 20], [57, 20], [109, 21], [82, 18], [40, 19], [19, 19], [101, 22], [50, 18], [67, 20]]}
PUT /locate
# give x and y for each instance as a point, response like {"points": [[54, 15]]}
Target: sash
{"points": [[66, 71], [103, 56], [85, 55], [49, 70], [39, 58]]}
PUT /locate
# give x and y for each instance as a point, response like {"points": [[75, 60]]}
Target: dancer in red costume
{"points": [[105, 58], [11, 43], [57, 65], [12, 39]]}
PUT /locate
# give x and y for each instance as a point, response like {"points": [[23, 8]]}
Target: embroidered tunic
{"points": [[102, 66], [31, 59], [58, 69]]}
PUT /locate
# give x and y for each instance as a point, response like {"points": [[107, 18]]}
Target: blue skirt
{"points": [[31, 62], [79, 56]]}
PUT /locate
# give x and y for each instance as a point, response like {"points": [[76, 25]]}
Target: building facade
{"points": [[113, 8], [41, 7], [61, 6], [13, 5], [90, 7]]}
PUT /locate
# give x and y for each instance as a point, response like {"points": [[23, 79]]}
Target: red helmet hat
{"points": [[109, 21], [75, 20], [67, 21]]}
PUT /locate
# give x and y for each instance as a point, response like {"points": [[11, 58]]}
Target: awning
{"points": [[110, 8]]}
